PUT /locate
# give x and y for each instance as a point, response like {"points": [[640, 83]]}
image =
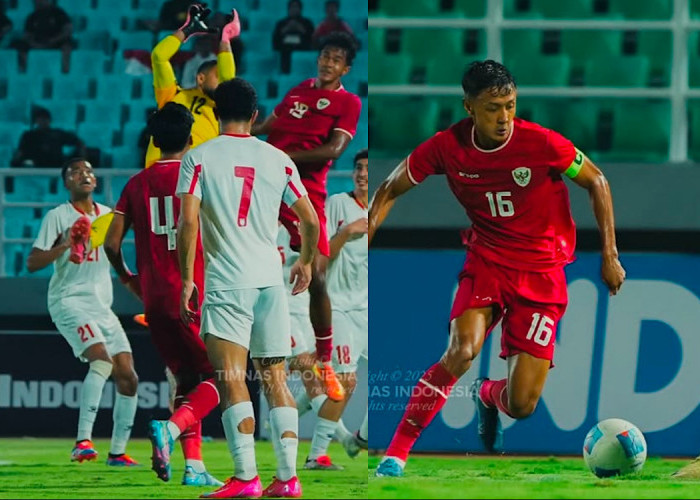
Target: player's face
{"points": [[80, 178], [493, 112], [209, 82], [360, 175], [332, 65]]}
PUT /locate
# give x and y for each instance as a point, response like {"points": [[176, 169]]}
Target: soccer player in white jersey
{"points": [[79, 301], [236, 184]]}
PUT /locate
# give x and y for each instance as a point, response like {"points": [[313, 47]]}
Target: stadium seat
{"points": [[139, 110], [267, 64], [76, 8], [15, 109], [470, 8], [694, 8], [10, 132], [131, 133], [339, 185], [96, 39], [518, 42], [25, 87], [556, 9], [617, 71], [44, 62], [116, 187], [576, 119], [551, 70], [8, 62], [694, 129], [305, 63], [31, 188], [694, 59], [582, 45], [64, 112], [423, 44], [112, 23], [376, 41], [88, 63], [414, 8], [14, 258], [648, 141], [643, 9], [389, 68], [98, 135], [657, 46], [448, 69], [114, 88], [71, 86], [126, 157], [107, 111], [135, 40], [400, 124]]}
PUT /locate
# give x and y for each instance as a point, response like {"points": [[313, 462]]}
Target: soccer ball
{"points": [[614, 447]]}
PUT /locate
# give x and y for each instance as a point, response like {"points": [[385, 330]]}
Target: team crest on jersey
{"points": [[323, 103], [522, 176]]}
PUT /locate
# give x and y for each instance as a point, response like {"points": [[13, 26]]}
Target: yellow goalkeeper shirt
{"points": [[206, 125]]}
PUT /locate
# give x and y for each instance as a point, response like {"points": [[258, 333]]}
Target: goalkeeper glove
{"points": [[195, 24], [232, 27], [79, 236]]}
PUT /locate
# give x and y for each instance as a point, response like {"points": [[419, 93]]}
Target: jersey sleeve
{"points": [[425, 160], [279, 109], [561, 154], [294, 189], [49, 232], [347, 122], [188, 181], [123, 206], [225, 66], [164, 81]]}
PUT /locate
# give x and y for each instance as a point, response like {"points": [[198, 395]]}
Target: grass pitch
{"points": [[41, 468], [521, 477]]}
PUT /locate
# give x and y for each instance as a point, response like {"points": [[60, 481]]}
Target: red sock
{"points": [[495, 393], [324, 343], [196, 405], [191, 441], [427, 399]]}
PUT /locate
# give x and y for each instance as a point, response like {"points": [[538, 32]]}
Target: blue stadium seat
{"points": [[115, 88], [131, 133], [99, 135], [95, 39], [25, 86], [305, 63], [64, 112], [361, 63], [31, 189], [10, 132], [71, 86], [339, 185], [8, 62], [76, 8], [117, 186], [44, 62], [14, 261], [103, 112], [88, 63], [110, 23], [263, 22], [261, 66], [15, 109], [139, 108], [135, 40], [126, 157]]}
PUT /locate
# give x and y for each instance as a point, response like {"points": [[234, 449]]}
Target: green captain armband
{"points": [[575, 166]]}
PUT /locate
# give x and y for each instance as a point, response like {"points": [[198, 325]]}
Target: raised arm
{"points": [[592, 179], [265, 127], [330, 150], [164, 81], [225, 64], [384, 197]]}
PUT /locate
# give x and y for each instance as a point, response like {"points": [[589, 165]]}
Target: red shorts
{"points": [[290, 220], [529, 303], [180, 346]]}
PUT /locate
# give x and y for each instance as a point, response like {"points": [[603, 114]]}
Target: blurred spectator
{"points": [[5, 22], [43, 146], [292, 33], [204, 48], [173, 14], [332, 22], [48, 27]]}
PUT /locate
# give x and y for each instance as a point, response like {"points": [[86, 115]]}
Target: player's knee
{"points": [[318, 283], [522, 406], [458, 358], [349, 382], [102, 367], [247, 425], [127, 383]]}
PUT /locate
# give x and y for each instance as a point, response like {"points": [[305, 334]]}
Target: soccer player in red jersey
{"points": [[314, 124], [149, 205], [507, 174]]}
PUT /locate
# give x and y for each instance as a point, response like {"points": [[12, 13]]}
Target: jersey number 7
{"points": [[248, 176]]}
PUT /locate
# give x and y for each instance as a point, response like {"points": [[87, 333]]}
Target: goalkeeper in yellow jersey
{"points": [[199, 100]]}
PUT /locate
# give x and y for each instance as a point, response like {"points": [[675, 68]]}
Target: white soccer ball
{"points": [[614, 447]]}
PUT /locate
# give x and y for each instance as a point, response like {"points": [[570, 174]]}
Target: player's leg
{"points": [[125, 404], [313, 395]]}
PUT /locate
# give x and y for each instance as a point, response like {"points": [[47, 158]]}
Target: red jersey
{"points": [[149, 201], [514, 195], [306, 118]]}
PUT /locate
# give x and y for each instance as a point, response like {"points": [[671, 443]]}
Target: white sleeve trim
{"points": [[345, 131], [408, 171]]}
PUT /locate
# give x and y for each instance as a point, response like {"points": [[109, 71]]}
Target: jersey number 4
{"points": [[169, 228]]}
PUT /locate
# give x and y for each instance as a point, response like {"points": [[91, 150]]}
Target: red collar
{"points": [[95, 206], [236, 135]]}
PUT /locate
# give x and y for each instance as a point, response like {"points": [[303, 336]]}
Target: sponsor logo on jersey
{"points": [[323, 103], [468, 175], [522, 176]]}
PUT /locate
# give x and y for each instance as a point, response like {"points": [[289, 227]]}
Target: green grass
{"points": [[520, 477], [40, 468]]}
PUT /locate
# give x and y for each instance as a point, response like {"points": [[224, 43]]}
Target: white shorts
{"points": [[350, 334], [303, 338], [255, 318], [82, 328]]}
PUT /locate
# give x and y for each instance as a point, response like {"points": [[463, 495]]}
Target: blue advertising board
{"points": [[632, 356]]}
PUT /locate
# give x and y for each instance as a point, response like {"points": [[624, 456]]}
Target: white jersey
{"points": [[347, 276], [89, 281], [241, 182], [299, 303]]}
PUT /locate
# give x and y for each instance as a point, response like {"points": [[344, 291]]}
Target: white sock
{"points": [[241, 446], [341, 432], [317, 403], [364, 428], [197, 465], [90, 396], [123, 416], [173, 429], [285, 419], [303, 403], [323, 433]]}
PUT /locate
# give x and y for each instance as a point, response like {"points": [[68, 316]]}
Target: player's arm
{"points": [[113, 248], [164, 81], [265, 127], [225, 64], [384, 197], [584, 173], [38, 259], [330, 150], [187, 230], [300, 273], [345, 233]]}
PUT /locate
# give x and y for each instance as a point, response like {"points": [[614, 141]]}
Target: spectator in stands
{"points": [[332, 22], [292, 33], [204, 50], [48, 27], [43, 146], [5, 22], [173, 14]]}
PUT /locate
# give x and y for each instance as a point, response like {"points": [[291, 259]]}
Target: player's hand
{"points": [[300, 275], [357, 228], [613, 274], [189, 302], [133, 284], [232, 27], [196, 24]]}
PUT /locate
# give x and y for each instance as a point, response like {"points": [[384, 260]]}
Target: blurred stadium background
{"points": [[621, 79], [105, 101]]}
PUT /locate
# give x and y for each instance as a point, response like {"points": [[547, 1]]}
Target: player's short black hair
{"points": [[360, 155], [332, 2], [488, 74], [341, 40], [69, 162], [40, 112], [206, 66], [171, 127], [236, 100]]}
